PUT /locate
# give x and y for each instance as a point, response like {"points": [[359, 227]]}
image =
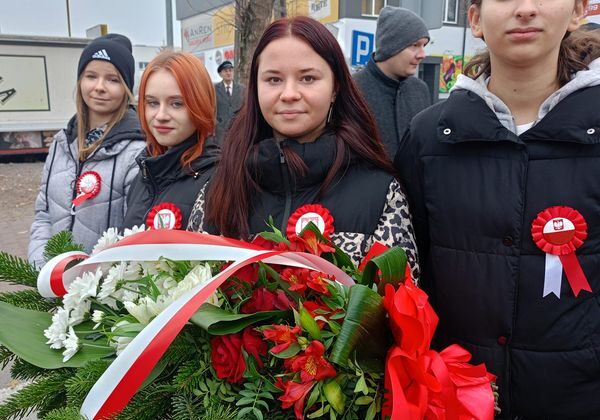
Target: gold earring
{"points": [[330, 113]]}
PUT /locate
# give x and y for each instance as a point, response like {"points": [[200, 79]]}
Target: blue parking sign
{"points": [[363, 44]]}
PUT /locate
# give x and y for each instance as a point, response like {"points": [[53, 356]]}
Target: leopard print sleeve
{"points": [[196, 221], [395, 226]]}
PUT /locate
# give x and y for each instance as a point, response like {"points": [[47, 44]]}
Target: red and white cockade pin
{"points": [[88, 186], [315, 213], [559, 231], [164, 216], [50, 282]]}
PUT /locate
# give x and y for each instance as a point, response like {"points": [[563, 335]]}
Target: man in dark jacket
{"points": [[230, 96], [387, 82]]}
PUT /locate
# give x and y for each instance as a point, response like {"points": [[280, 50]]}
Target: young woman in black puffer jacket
{"points": [[176, 109], [305, 144]]}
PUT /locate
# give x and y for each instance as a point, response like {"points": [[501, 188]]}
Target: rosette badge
{"points": [[559, 231]]}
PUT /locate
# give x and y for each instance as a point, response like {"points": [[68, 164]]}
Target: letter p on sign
{"points": [[362, 47]]}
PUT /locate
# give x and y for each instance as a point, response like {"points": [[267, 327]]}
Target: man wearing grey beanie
{"points": [[393, 95]]}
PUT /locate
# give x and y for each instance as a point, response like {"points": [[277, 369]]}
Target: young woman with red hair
{"points": [[304, 147], [176, 110]]}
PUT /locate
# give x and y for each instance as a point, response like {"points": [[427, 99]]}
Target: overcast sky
{"points": [[143, 21]]}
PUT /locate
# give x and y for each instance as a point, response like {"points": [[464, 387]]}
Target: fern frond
{"points": [[80, 384], [153, 402], [17, 270], [44, 395], [186, 407], [28, 299], [66, 413], [60, 243], [25, 371], [6, 356]]}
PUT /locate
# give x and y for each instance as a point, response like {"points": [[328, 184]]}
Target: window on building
{"points": [[372, 7], [451, 11]]}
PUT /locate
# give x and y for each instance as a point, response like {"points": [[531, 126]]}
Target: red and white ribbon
{"points": [[125, 375], [559, 231], [50, 280]]}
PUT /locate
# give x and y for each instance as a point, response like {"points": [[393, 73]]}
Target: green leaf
{"points": [[392, 264], [335, 396], [308, 323], [22, 332], [361, 386], [291, 351], [364, 400], [371, 411], [363, 329], [218, 321]]}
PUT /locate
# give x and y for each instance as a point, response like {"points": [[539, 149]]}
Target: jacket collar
{"points": [[265, 164], [166, 168], [571, 120], [379, 75]]}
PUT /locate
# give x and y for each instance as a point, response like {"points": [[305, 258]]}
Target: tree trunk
{"points": [[251, 19]]}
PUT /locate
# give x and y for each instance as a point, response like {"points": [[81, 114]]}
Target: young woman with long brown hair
{"points": [[176, 109], [503, 183], [90, 164], [305, 137]]}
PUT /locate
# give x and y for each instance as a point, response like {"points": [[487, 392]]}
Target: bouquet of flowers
{"points": [[180, 325]]}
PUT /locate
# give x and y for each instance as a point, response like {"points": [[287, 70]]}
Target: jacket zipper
{"points": [[147, 177], [79, 166], [288, 192]]}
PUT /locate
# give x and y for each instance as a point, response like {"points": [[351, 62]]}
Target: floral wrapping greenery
{"points": [[272, 342]]}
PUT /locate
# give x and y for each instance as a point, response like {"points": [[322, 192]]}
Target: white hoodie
{"points": [[581, 79]]}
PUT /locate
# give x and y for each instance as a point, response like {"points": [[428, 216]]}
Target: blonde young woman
{"points": [[502, 179], [91, 163]]}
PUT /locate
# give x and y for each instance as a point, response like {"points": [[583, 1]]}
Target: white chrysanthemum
{"points": [[71, 345], [110, 237], [109, 293], [119, 342], [142, 311], [56, 333], [76, 301], [164, 283], [200, 274], [133, 230], [97, 318]]}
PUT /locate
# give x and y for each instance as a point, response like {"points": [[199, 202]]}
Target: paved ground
{"points": [[19, 183]]}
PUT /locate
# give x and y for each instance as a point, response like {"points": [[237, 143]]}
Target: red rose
{"points": [[244, 277], [254, 345], [261, 300], [227, 358]]}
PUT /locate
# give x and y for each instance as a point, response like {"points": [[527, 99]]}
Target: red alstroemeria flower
{"points": [[312, 365], [283, 335], [313, 306], [297, 278], [317, 281], [314, 245], [254, 345], [295, 394], [261, 300], [270, 245]]}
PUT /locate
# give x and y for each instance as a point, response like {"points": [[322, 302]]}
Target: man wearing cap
{"points": [[229, 96], [387, 83]]}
